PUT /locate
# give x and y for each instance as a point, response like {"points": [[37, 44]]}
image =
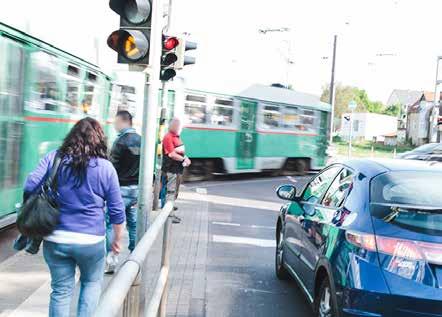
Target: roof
{"points": [[390, 135], [373, 167], [404, 97], [283, 96]]}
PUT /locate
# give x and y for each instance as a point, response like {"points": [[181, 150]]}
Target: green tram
{"points": [[263, 128], [43, 92]]}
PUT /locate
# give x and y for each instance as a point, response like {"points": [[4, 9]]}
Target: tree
{"points": [[344, 94], [393, 110]]}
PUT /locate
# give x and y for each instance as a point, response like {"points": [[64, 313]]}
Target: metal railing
{"points": [[124, 289]]}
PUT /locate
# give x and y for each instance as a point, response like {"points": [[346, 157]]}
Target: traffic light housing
{"points": [[132, 40], [169, 57], [184, 60]]}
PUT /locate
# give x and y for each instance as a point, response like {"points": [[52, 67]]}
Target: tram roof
{"points": [[17, 34], [283, 96]]}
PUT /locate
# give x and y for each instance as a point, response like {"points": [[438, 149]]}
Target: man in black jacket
{"points": [[125, 156]]}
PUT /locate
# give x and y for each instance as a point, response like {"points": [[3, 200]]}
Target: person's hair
{"points": [[125, 115], [86, 140]]}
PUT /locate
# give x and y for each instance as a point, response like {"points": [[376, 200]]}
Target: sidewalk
{"points": [[26, 284]]}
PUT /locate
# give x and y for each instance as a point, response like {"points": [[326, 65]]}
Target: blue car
{"points": [[364, 238]]}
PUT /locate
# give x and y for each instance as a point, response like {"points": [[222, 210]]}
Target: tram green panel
{"points": [[277, 145], [209, 143]]}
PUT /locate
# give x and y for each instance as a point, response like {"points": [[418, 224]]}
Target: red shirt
{"points": [[171, 143]]}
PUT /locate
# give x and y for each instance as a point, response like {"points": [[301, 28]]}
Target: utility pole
{"points": [[332, 89], [149, 137]]}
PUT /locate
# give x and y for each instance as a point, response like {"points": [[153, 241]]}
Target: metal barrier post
{"points": [[130, 306], [165, 264]]}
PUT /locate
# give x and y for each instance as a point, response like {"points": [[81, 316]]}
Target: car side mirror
{"points": [[286, 192]]}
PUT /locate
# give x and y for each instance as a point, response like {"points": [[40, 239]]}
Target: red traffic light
{"points": [[170, 43]]}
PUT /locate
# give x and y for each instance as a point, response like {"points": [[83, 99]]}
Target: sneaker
{"points": [[175, 208], [109, 269], [176, 219]]}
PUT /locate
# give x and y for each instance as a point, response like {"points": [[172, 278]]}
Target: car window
{"points": [[317, 187], [339, 189]]}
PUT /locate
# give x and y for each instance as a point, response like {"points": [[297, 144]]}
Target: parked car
{"points": [[364, 238], [426, 152]]}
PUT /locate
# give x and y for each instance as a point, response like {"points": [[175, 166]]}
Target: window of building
{"points": [[44, 94], [356, 124], [195, 109]]}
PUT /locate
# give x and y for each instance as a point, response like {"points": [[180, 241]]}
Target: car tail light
{"points": [[401, 248]]}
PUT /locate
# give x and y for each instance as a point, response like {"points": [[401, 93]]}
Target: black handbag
{"points": [[39, 214]]}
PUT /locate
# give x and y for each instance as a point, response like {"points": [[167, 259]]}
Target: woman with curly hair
{"points": [[86, 182]]}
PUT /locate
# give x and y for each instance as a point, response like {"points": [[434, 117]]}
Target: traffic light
{"points": [[132, 40], [169, 58], [184, 60]]}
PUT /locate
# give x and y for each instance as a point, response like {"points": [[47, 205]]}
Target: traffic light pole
{"points": [[148, 137]]}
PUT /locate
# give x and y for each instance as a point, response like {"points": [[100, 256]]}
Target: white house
{"points": [[366, 126]]}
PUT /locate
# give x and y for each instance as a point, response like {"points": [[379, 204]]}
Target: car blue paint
{"points": [[364, 238]]}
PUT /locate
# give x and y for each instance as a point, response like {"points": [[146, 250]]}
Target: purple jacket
{"points": [[82, 207]]}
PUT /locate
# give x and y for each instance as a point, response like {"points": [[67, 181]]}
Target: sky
{"points": [[232, 54]]}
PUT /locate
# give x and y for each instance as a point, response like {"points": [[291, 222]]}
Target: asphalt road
{"points": [[240, 268]]}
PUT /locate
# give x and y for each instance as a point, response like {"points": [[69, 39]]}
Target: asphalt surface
{"points": [[240, 265], [240, 278]]}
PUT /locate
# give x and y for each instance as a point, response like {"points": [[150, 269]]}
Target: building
{"points": [[420, 117], [404, 98], [367, 126]]}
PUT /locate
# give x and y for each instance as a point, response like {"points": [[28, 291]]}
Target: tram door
{"points": [[246, 138]]}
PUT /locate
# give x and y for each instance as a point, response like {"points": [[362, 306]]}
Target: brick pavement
{"points": [[29, 293]]}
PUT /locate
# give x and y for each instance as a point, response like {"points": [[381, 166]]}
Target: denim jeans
{"points": [[130, 198], [62, 260]]}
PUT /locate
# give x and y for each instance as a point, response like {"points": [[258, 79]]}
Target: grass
{"points": [[364, 149]]}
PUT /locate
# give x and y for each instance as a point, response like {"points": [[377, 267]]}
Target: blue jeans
{"points": [[130, 198], [62, 260]]}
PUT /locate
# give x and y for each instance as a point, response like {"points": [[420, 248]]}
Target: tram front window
{"points": [[44, 90]]}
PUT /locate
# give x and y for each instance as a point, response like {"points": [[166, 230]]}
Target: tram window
{"points": [[271, 117], [11, 91], [44, 90], [90, 103], [71, 103], [195, 109], [222, 115], [291, 117], [11, 77], [309, 121], [195, 113], [222, 112], [196, 98]]}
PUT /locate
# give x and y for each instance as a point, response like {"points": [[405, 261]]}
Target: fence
{"points": [[124, 289]]}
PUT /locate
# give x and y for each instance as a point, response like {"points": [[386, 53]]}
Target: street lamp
{"points": [[352, 106]]}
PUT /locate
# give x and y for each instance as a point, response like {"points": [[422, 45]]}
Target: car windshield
{"points": [[427, 148], [409, 199]]}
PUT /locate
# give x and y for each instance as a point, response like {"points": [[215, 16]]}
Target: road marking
{"points": [[233, 224], [226, 223], [254, 290], [239, 182], [230, 201], [292, 179], [262, 227], [265, 243], [201, 190]]}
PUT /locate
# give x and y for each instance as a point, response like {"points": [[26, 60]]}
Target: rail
{"points": [[123, 290]]}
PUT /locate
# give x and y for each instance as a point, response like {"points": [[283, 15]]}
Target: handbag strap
{"points": [[51, 181]]}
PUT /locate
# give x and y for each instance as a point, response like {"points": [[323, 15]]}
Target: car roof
{"points": [[373, 167]]}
